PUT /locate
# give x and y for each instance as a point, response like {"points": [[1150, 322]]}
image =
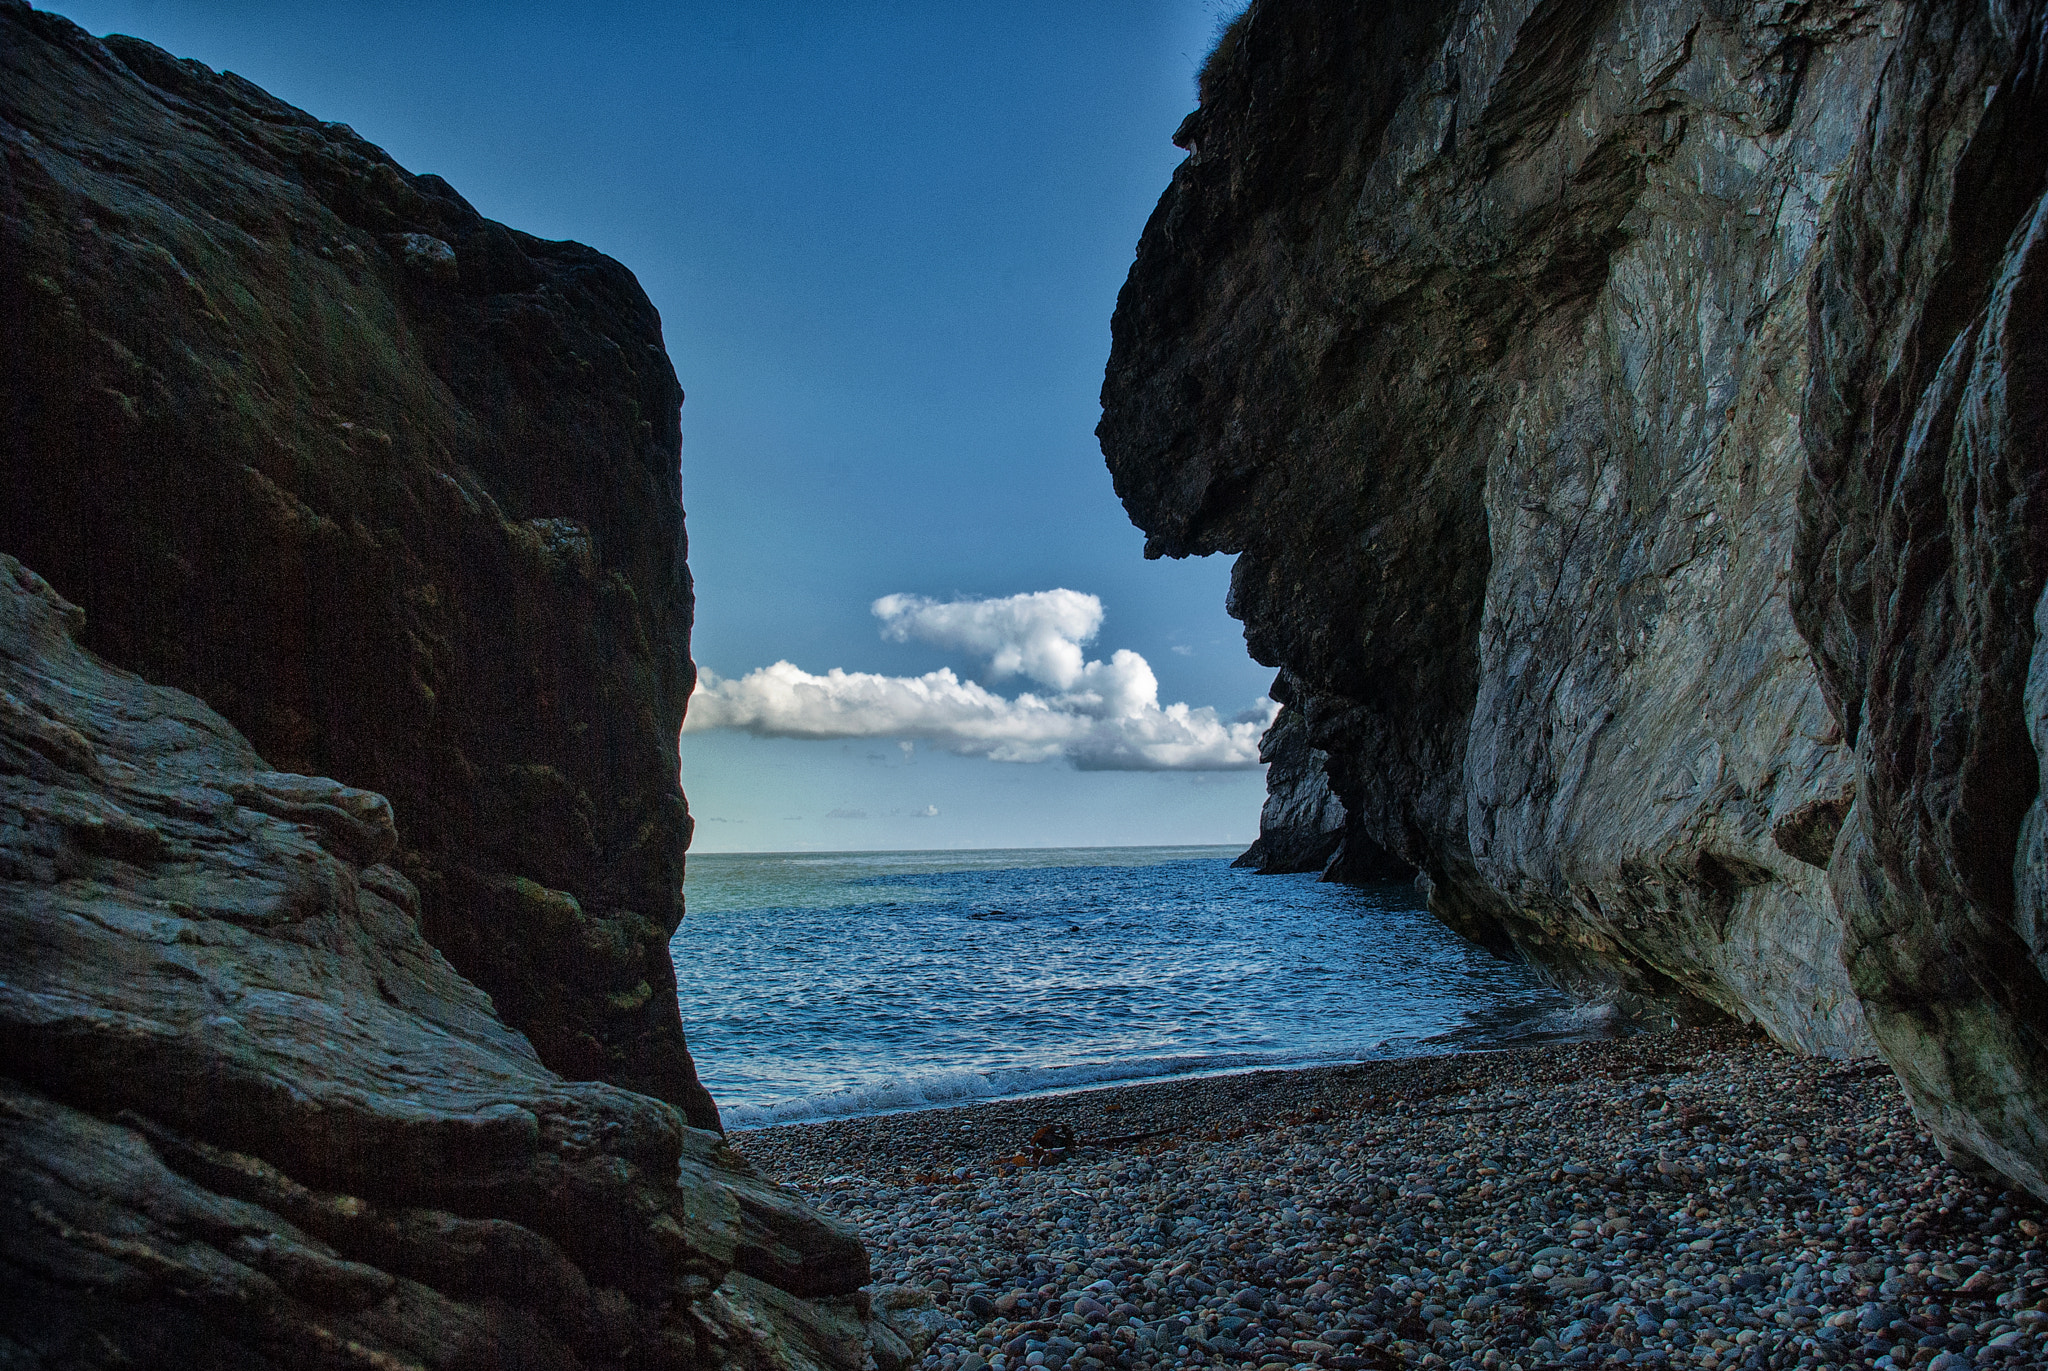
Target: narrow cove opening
{"points": [[824, 985]]}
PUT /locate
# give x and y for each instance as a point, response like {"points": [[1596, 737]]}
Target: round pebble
{"points": [[1692, 1199]]}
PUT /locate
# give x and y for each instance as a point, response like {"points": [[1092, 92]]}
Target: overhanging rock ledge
{"points": [[1626, 420]]}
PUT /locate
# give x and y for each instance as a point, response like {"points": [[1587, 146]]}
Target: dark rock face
{"points": [[1302, 823], [1303, 826], [393, 487], [1920, 567], [251, 1118], [1618, 414]]}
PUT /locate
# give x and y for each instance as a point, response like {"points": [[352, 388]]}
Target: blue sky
{"points": [[885, 240]]}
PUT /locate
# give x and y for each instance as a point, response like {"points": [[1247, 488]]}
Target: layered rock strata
{"points": [[1617, 412], [282, 1081], [250, 1117], [392, 486]]}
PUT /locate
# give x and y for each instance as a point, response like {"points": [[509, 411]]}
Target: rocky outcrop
{"points": [[1920, 566], [1616, 411], [1302, 822], [285, 1081], [250, 1117], [393, 487], [1303, 825]]}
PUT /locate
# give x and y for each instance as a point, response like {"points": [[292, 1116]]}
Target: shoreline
{"points": [[1696, 1198], [1425, 1049]]}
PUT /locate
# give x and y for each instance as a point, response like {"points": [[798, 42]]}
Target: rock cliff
{"points": [[249, 1117], [393, 487], [1619, 414], [291, 1075], [1304, 826]]}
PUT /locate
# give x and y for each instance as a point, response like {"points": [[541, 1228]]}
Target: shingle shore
{"points": [[1699, 1198]]}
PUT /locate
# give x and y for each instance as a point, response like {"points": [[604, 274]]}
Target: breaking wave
{"points": [[822, 986], [946, 1089]]}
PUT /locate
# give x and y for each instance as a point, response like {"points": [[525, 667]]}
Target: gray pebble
{"points": [[1695, 1199]]}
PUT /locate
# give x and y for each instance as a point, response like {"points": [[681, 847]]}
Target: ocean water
{"points": [[819, 985]]}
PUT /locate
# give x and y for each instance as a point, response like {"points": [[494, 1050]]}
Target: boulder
{"points": [[250, 1117]]}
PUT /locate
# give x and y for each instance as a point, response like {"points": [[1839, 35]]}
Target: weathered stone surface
{"points": [[392, 486], [1302, 822], [1303, 826], [1922, 557], [1615, 410], [250, 1117]]}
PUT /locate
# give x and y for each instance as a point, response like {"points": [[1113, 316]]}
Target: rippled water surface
{"points": [[822, 984]]}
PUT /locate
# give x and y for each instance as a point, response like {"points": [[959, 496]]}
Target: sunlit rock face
{"points": [[1618, 412], [393, 487], [1302, 824]]}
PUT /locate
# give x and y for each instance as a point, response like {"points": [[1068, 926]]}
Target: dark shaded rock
{"points": [[1359, 860], [1302, 822], [1303, 826], [393, 487], [1808, 831], [1617, 413], [251, 1118], [1920, 567]]}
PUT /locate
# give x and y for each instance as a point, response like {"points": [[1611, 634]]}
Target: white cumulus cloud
{"points": [[1102, 715], [1037, 635]]}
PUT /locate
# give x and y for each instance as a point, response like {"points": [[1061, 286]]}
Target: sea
{"points": [[823, 985]]}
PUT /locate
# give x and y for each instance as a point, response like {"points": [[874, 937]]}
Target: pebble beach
{"points": [[1699, 1199]]}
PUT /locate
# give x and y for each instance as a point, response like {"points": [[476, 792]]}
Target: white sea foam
{"points": [[1590, 1016], [940, 1090], [822, 987]]}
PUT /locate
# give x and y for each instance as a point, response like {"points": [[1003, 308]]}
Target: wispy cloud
{"points": [[1102, 715]]}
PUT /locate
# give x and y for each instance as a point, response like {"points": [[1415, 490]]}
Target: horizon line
{"points": [[914, 851]]}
